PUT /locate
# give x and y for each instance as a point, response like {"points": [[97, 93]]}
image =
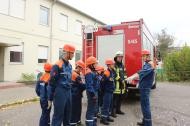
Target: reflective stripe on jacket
{"points": [[119, 80]]}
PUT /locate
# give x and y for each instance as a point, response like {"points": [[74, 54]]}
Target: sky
{"points": [[172, 15]]}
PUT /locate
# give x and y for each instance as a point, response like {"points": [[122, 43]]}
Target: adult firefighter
{"points": [[119, 84], [41, 91], [59, 89], [92, 88], [78, 86], [146, 77]]}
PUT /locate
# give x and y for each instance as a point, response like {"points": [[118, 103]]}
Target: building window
{"points": [[44, 15], [42, 54], [63, 22], [78, 27], [16, 54], [78, 55], [15, 8], [60, 53], [4, 6]]}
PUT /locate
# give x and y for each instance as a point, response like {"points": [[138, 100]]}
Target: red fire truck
{"points": [[129, 37]]}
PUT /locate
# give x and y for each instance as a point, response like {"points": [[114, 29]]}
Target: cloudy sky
{"points": [[172, 15]]}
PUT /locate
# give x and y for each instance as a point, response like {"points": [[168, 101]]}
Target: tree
{"points": [[164, 42]]}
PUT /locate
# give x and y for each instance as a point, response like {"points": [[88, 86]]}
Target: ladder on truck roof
{"points": [[88, 42], [89, 45]]}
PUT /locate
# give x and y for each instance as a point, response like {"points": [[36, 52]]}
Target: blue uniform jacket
{"points": [[108, 84], [41, 90], [146, 76], [77, 85], [92, 85], [60, 76], [41, 86]]}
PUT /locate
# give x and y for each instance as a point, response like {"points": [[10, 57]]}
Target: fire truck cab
{"points": [[129, 37]]}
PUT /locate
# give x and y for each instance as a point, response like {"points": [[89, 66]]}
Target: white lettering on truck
{"points": [[132, 41]]}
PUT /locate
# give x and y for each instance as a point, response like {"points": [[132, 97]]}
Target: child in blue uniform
{"points": [[108, 87], [92, 88], [100, 73], [78, 86], [41, 91]]}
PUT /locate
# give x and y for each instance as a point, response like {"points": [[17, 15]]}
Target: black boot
{"points": [[120, 112], [113, 113], [80, 124], [141, 123], [104, 121], [98, 115], [110, 119]]}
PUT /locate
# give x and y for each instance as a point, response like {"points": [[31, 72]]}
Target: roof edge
{"points": [[63, 3]]}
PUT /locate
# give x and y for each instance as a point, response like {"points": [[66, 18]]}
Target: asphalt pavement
{"points": [[170, 106]]}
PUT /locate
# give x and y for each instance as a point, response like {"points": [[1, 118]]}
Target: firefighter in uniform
{"points": [[41, 91], [92, 88], [100, 73], [59, 88], [108, 87], [146, 78], [119, 84], [78, 86]]}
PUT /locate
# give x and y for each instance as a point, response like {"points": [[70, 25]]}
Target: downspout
{"points": [[51, 29]]}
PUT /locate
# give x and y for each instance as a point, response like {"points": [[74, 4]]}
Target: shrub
{"points": [[177, 65], [27, 78]]}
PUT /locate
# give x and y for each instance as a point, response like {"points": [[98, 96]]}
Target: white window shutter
{"points": [[17, 8], [4, 6], [78, 27], [16, 48], [42, 52], [63, 22]]}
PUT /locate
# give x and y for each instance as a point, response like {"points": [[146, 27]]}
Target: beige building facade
{"points": [[33, 32]]}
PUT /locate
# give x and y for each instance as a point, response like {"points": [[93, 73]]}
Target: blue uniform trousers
{"points": [[45, 116], [107, 100], [76, 110], [145, 106], [62, 106], [92, 106]]}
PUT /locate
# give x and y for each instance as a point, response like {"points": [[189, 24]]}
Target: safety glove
{"points": [[131, 78]]}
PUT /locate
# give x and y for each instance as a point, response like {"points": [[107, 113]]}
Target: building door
{"points": [[2, 63]]}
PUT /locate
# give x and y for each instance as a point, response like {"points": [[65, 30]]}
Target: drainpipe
{"points": [[51, 29]]}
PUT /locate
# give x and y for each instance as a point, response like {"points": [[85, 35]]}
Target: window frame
{"points": [[48, 19], [60, 53], [8, 14], [67, 27], [76, 32], [22, 56], [80, 53], [47, 54]]}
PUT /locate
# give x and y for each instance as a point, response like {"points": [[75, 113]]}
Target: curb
{"points": [[11, 85], [19, 102]]}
